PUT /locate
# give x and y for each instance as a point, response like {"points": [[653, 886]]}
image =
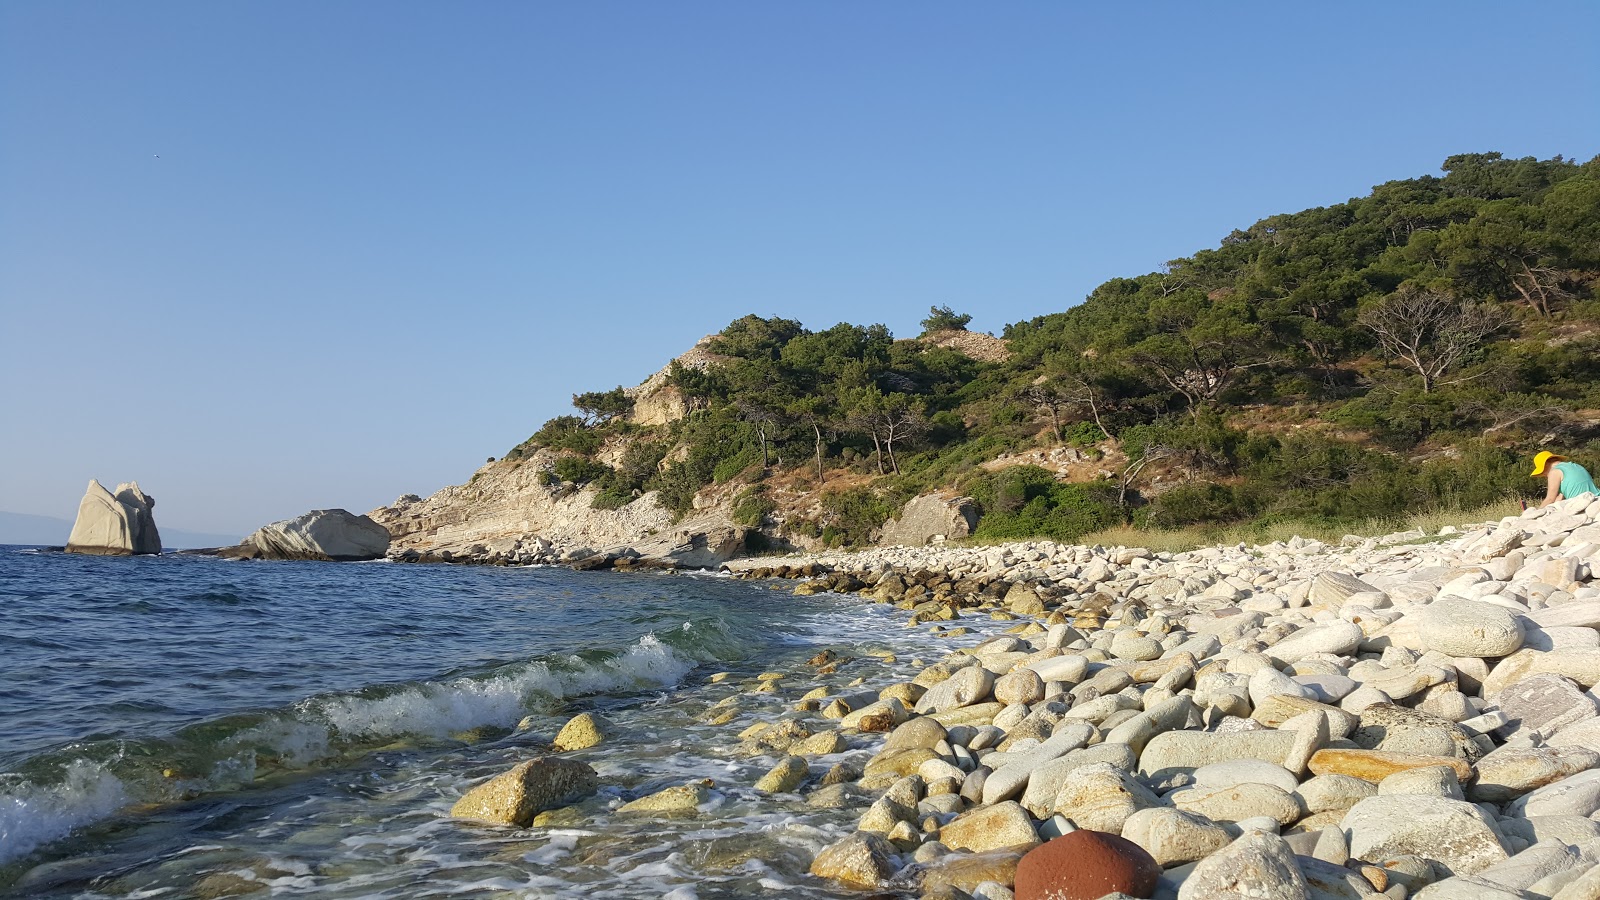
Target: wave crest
{"points": [[32, 815], [84, 783]]}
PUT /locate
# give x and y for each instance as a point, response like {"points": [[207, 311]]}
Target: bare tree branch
{"points": [[1540, 287], [1132, 470], [1429, 330]]}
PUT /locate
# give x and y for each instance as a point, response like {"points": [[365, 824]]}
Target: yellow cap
{"points": [[1540, 461]]}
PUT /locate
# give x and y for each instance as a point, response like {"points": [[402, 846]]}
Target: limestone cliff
{"points": [[510, 512]]}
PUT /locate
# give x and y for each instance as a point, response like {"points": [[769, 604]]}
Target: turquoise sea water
{"points": [[177, 727]]}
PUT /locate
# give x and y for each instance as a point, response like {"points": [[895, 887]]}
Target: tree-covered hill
{"points": [[1401, 351]]}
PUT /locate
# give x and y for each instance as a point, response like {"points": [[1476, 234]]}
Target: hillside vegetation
{"points": [[1401, 352]]}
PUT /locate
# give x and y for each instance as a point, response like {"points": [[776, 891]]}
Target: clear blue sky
{"points": [[384, 240]]}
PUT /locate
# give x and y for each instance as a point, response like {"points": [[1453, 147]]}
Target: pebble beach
{"points": [[1411, 715]]}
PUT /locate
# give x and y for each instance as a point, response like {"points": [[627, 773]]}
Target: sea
{"points": [[184, 726]]}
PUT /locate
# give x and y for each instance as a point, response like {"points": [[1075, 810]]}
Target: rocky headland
{"points": [[1407, 716], [518, 511]]}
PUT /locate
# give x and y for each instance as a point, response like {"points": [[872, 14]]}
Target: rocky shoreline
{"points": [[1405, 716]]}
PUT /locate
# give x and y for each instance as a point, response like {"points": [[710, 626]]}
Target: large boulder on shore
{"points": [[931, 518], [516, 796], [322, 534], [1086, 865], [702, 543], [120, 524]]}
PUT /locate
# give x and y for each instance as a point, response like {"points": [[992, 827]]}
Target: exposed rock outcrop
{"points": [[322, 534], [705, 543], [931, 518], [655, 402], [115, 525], [979, 346]]}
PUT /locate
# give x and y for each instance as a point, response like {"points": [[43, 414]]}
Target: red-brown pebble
{"points": [[1086, 865]]}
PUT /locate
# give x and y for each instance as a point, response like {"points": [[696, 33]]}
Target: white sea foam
{"points": [[560, 846], [298, 743], [439, 708], [32, 815]]}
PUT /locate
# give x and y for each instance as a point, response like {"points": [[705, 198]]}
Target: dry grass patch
{"points": [[1184, 539]]}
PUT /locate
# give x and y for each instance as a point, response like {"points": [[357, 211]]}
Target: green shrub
{"points": [[945, 428], [1010, 414], [1195, 503], [601, 407], [620, 486], [1478, 476], [567, 433], [752, 507], [731, 467], [718, 447], [1084, 434], [1401, 420], [677, 486], [612, 496], [1027, 501], [850, 516], [943, 318], [578, 470], [923, 472], [1206, 438]]}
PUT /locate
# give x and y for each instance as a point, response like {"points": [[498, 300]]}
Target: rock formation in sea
{"points": [[120, 524], [322, 534]]}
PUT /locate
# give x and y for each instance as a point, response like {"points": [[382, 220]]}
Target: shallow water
{"points": [[178, 727]]}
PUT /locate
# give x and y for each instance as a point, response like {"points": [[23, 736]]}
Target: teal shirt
{"points": [[1575, 480]]}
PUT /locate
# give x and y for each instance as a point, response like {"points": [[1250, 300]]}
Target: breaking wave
{"points": [[51, 794]]}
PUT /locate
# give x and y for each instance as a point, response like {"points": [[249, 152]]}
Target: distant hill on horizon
{"points": [[24, 528]]}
